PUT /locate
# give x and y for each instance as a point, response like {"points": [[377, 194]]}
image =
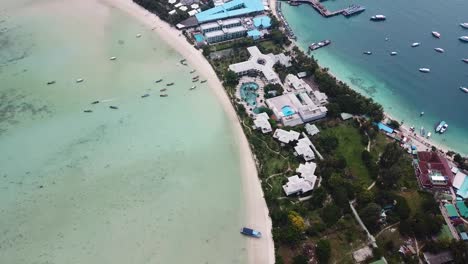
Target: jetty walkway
{"points": [[319, 7]]}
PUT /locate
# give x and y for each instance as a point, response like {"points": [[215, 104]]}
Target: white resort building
{"points": [[223, 30], [296, 108], [261, 63], [302, 184], [261, 122], [285, 137], [303, 148]]}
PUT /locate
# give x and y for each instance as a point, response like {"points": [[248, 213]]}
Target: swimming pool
{"points": [[248, 92], [198, 38], [287, 110]]}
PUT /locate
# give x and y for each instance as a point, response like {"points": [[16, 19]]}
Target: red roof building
{"points": [[433, 170]]}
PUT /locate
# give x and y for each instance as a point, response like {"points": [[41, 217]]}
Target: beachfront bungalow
{"points": [[286, 137], [296, 108], [312, 129], [261, 122], [303, 148], [297, 185], [261, 63], [433, 171]]}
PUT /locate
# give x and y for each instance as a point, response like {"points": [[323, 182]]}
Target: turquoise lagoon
{"points": [[156, 181]]}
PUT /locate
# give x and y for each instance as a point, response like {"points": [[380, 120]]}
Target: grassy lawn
{"points": [[445, 233], [414, 200], [378, 144], [351, 147], [269, 47]]}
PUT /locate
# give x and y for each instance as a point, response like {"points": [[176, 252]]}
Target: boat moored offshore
{"points": [[464, 25], [440, 50], [393, 53], [439, 126], [415, 44], [320, 44], [464, 89], [465, 60], [444, 128], [463, 38], [425, 70], [368, 52], [436, 34], [378, 18]]}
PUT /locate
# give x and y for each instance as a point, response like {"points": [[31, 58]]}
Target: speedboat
{"points": [[464, 25], [95, 102], [163, 95], [428, 135], [113, 107], [463, 38], [203, 81], [393, 53], [145, 95], [79, 80], [163, 90], [424, 70], [169, 84], [193, 87], [250, 232], [439, 127], [88, 111], [368, 52], [51, 82], [378, 18], [436, 34], [465, 60], [415, 44], [158, 81], [421, 114], [444, 127], [112, 58], [464, 89], [440, 50], [138, 35]]}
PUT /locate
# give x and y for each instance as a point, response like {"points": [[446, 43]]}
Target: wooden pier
{"points": [[319, 7]]}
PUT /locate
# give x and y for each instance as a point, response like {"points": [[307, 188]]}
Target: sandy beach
{"points": [[259, 250]]}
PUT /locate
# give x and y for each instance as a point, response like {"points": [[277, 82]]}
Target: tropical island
{"points": [[343, 182]]}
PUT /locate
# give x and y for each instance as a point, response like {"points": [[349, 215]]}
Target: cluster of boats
{"points": [[442, 127]]}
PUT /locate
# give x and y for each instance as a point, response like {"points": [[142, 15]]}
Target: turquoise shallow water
{"points": [[394, 81], [133, 185]]}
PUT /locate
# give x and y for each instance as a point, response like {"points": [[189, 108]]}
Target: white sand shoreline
{"points": [[258, 250]]}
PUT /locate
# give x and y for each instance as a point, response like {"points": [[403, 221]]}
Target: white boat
{"points": [[465, 60], [444, 128], [422, 131], [436, 34], [378, 18], [428, 135], [424, 70], [138, 35], [193, 87], [439, 127], [368, 52], [464, 89], [463, 38], [79, 80], [464, 25], [112, 58], [440, 50], [393, 53], [415, 44]]}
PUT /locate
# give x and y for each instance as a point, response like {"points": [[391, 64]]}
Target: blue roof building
{"points": [[233, 8], [384, 127], [262, 22], [255, 34]]}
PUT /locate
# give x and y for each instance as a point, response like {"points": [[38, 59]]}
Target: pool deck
{"points": [[260, 92]]}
